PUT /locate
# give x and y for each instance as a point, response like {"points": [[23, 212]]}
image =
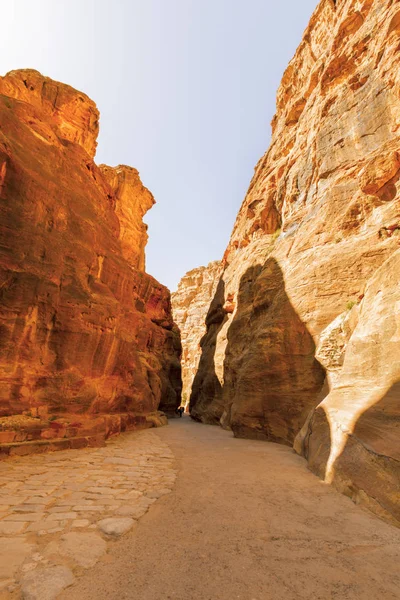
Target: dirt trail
{"points": [[246, 520]]}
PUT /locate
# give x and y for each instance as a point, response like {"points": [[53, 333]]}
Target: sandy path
{"points": [[246, 520]]}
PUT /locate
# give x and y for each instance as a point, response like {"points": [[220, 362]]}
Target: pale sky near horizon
{"points": [[186, 91]]}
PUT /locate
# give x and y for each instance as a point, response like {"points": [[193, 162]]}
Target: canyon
{"points": [[285, 352], [88, 347], [292, 337], [302, 335]]}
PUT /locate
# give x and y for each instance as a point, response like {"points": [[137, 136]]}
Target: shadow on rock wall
{"points": [[271, 377], [365, 463], [171, 377], [368, 469], [206, 397]]}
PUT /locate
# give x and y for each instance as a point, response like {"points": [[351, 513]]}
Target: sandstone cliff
{"points": [[132, 201], [190, 304], [87, 346], [311, 354]]}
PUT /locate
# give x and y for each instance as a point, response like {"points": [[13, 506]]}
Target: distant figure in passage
{"points": [[179, 411]]}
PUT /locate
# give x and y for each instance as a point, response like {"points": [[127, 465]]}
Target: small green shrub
{"points": [[276, 234], [350, 304]]}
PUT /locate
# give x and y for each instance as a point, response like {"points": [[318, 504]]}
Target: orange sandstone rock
{"points": [[316, 239], [86, 336], [190, 304], [133, 200], [73, 116]]}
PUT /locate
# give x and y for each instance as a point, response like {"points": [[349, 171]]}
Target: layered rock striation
{"points": [[190, 304], [88, 346], [310, 355]]}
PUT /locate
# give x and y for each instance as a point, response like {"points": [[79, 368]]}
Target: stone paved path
{"points": [[57, 511], [246, 520]]}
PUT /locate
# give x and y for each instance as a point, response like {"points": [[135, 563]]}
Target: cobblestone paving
{"points": [[57, 511]]}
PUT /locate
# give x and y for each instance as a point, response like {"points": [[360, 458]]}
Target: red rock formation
{"points": [[69, 113], [190, 304], [133, 201], [314, 241], [87, 339]]}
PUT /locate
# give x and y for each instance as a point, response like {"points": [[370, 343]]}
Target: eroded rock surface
{"points": [[133, 201], [190, 304], [71, 114], [87, 346], [352, 438], [314, 241]]}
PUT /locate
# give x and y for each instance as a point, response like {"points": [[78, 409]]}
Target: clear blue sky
{"points": [[186, 91]]}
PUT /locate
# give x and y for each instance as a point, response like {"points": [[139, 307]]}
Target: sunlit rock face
{"points": [[190, 305], [133, 201], [311, 267], [353, 437], [87, 344], [73, 116]]}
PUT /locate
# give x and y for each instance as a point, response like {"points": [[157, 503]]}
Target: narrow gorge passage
{"points": [[246, 520]]}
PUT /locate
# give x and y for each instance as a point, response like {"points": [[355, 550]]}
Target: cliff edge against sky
{"points": [[310, 355]]}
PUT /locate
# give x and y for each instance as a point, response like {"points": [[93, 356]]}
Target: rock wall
{"points": [[310, 355], [132, 201], [87, 344], [189, 306]]}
